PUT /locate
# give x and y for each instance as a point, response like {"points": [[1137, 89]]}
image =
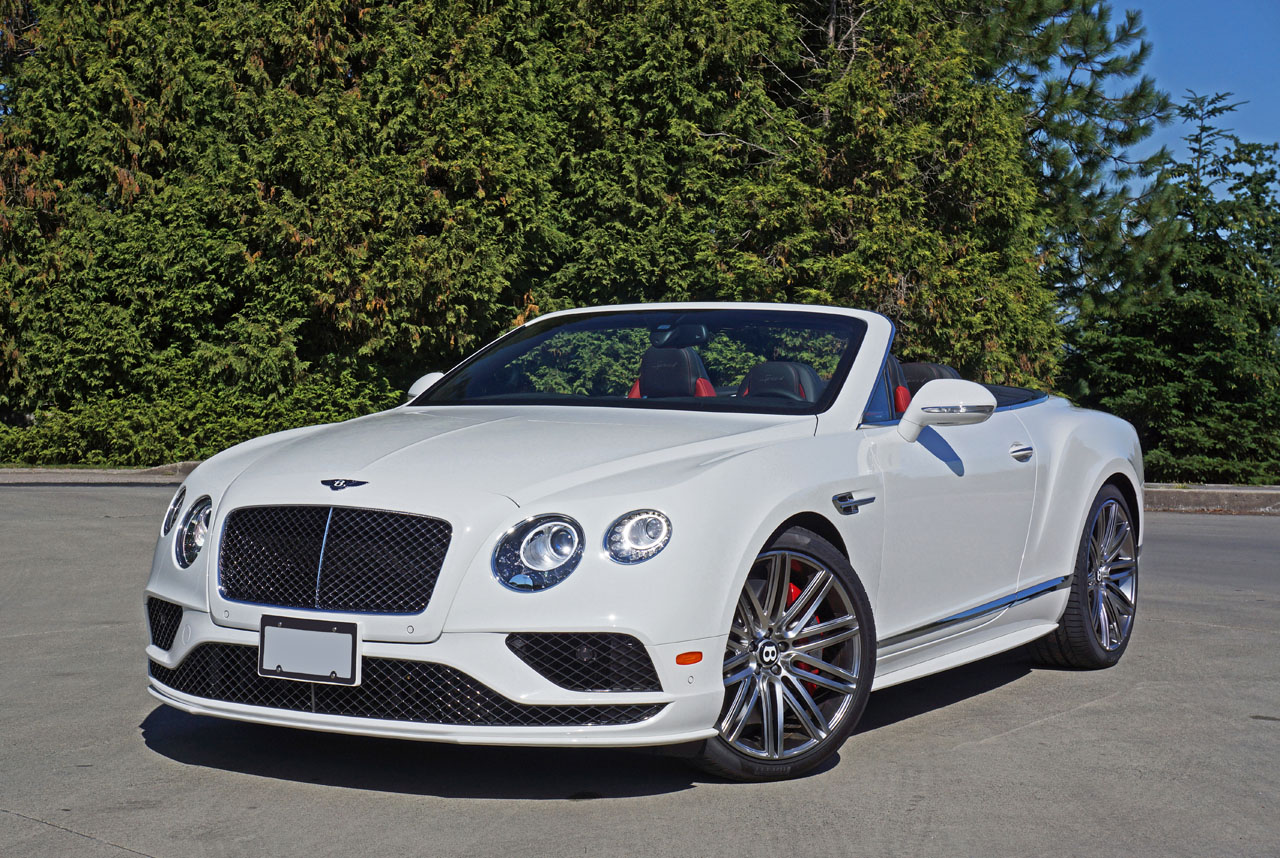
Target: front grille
{"points": [[390, 689], [588, 661], [163, 619], [333, 558]]}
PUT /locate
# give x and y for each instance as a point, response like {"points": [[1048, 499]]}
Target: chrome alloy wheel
{"points": [[1113, 575], [791, 662]]}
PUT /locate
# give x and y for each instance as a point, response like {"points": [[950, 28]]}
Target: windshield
{"points": [[770, 361]]}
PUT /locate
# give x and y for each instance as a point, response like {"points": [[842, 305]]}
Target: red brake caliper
{"points": [[793, 593]]}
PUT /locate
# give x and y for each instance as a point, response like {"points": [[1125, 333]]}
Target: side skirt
{"points": [[1014, 636]]}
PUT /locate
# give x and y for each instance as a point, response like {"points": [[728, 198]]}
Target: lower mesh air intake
{"points": [[163, 619], [587, 661], [390, 689]]}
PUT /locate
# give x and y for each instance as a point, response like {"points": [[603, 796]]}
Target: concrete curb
{"points": [[1160, 497], [1235, 500], [161, 475]]}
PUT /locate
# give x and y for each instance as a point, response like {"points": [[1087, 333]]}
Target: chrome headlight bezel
{"points": [[631, 538], [194, 532], [538, 553], [175, 509]]}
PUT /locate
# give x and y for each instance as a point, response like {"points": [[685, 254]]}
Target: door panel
{"points": [[957, 511]]}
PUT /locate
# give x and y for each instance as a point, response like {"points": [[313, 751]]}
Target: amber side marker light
{"points": [[689, 658]]}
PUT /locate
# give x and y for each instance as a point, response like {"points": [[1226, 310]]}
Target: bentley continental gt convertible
{"points": [[717, 526]]}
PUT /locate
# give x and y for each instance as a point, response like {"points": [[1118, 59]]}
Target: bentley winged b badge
{"points": [[339, 485]]}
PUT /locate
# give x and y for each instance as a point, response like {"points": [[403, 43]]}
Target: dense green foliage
{"points": [[1165, 271], [222, 218], [1193, 359], [219, 219]]}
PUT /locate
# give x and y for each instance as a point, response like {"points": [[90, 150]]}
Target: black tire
{"points": [[780, 676], [1079, 639]]}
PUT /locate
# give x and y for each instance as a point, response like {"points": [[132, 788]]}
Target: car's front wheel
{"points": [[798, 662]]}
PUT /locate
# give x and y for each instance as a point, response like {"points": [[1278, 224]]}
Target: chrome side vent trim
{"points": [[847, 504]]}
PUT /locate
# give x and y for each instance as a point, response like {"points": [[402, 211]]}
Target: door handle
{"points": [[1021, 452]]}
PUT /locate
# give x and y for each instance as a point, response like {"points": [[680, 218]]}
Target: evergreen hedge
{"points": [[220, 219]]}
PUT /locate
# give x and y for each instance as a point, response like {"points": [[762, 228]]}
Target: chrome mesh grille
{"points": [[587, 661], [163, 619], [333, 558], [390, 689]]}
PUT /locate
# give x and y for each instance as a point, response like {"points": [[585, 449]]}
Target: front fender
{"points": [[1082, 450]]}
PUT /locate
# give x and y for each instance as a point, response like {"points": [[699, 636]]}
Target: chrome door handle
{"points": [[1021, 452]]}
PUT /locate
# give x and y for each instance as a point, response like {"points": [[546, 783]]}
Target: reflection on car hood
{"points": [[521, 452]]}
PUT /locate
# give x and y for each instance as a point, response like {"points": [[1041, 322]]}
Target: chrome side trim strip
{"points": [[973, 613]]}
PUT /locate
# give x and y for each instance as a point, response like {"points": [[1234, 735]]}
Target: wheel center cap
{"points": [[768, 653]]}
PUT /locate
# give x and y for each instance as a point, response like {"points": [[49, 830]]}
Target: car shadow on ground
{"points": [[941, 690], [465, 771]]}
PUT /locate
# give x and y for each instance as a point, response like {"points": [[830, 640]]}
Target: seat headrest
{"points": [[788, 379], [920, 373], [673, 372]]}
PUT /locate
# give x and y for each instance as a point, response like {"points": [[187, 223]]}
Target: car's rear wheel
{"points": [[1098, 621], [798, 663]]}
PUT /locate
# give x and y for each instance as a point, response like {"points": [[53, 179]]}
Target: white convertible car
{"points": [[719, 526]]}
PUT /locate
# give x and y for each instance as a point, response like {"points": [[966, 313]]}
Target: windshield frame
{"points": [[853, 325]]}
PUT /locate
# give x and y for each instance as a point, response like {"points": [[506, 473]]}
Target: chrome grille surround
{"points": [[390, 689], [331, 558], [587, 661]]}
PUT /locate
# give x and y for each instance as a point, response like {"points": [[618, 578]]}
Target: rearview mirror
{"points": [[946, 402], [421, 386]]}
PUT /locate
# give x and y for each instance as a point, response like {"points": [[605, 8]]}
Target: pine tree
{"points": [[1087, 103], [1195, 365]]}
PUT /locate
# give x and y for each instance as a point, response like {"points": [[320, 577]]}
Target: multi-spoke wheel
{"points": [[798, 662], [1098, 621]]}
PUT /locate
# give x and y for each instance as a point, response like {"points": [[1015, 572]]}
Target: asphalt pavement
{"points": [[1176, 751]]}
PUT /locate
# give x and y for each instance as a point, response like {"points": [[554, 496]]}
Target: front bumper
{"points": [[684, 710]]}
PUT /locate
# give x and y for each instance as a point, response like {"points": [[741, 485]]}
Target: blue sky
{"points": [[1216, 46]]}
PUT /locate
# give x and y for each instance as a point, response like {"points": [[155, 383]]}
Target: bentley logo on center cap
{"points": [[768, 652], [339, 485]]}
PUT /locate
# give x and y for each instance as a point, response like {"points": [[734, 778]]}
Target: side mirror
{"points": [[421, 386], [946, 402]]}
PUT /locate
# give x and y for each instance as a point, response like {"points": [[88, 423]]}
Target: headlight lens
{"points": [[194, 532], [171, 517], [637, 536], [538, 553]]}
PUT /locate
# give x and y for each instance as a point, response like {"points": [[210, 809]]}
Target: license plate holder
{"points": [[309, 650]]}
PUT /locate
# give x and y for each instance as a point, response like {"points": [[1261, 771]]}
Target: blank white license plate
{"points": [[309, 650]]}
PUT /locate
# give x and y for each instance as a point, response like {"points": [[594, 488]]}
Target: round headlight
{"points": [[194, 532], [637, 536], [538, 553], [175, 507]]}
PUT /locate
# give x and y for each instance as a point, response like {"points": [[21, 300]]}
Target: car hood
{"points": [[522, 453]]}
